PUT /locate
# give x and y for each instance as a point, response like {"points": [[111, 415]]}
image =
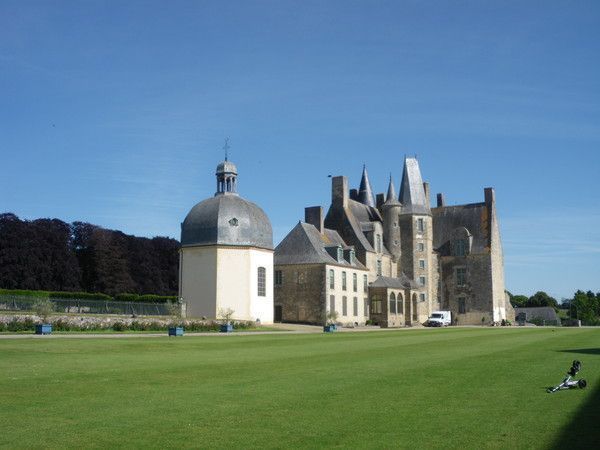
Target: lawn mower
{"points": [[569, 382]]}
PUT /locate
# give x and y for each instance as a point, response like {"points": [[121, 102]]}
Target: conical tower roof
{"points": [[391, 199], [365, 194], [412, 192]]}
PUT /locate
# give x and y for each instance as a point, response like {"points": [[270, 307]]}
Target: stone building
{"points": [[226, 257], [447, 257], [317, 272]]}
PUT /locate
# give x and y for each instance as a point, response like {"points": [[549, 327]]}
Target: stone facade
{"points": [[442, 258]]}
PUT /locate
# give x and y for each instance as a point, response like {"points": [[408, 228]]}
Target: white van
{"points": [[439, 319]]}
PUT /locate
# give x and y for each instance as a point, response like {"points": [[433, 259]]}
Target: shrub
{"points": [[120, 326], [126, 297], [149, 298], [80, 295], [16, 324], [43, 307]]}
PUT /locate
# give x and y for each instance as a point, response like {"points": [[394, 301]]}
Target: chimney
{"points": [[314, 216], [354, 194], [339, 191], [441, 201], [380, 200], [426, 189], [490, 196]]}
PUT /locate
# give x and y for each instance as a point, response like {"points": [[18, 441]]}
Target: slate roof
{"points": [[473, 217], [403, 282], [365, 193], [541, 312], [305, 245], [412, 193], [227, 219]]}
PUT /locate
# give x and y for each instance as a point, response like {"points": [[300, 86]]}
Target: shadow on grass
{"points": [[585, 351], [583, 431]]}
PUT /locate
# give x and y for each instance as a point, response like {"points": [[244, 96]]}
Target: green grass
{"points": [[445, 388]]}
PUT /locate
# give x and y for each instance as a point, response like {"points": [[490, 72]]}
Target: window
{"points": [[331, 279], [421, 247], [343, 281], [344, 306], [340, 254], [420, 225], [422, 281], [460, 247], [378, 243], [392, 303], [461, 276], [400, 304], [376, 305], [332, 303], [355, 282], [366, 306], [365, 283], [462, 305], [422, 297], [351, 256], [278, 278], [300, 277], [355, 306], [379, 267], [262, 282], [421, 264]]}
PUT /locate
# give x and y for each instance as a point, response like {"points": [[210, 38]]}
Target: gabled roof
{"points": [[305, 245], [412, 193]]}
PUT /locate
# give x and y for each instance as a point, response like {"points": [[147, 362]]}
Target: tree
{"points": [[540, 298], [519, 301]]}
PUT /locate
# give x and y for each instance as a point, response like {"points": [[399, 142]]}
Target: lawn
{"points": [[445, 388]]}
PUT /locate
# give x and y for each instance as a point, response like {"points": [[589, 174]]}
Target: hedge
{"points": [[148, 298]]}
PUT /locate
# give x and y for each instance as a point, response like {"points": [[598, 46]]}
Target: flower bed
{"points": [[18, 323]]}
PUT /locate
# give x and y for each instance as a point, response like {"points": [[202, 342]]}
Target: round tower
{"points": [[391, 210]]}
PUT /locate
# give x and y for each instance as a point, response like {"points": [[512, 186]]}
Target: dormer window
{"points": [[460, 247], [340, 254], [351, 257]]}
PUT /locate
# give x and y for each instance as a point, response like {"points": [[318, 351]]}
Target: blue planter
{"points": [[228, 328], [328, 329], [333, 327], [43, 329], [175, 331]]}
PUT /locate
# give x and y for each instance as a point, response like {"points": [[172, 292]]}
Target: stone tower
{"points": [[391, 210], [416, 225]]}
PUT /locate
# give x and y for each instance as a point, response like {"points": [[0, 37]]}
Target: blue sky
{"points": [[115, 113]]}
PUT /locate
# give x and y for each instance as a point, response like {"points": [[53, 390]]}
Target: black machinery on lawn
{"points": [[569, 382]]}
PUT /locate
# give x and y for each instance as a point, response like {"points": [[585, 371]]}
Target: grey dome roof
{"points": [[227, 219], [227, 167]]}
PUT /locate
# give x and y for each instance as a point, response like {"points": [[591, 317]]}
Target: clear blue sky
{"points": [[114, 112]]}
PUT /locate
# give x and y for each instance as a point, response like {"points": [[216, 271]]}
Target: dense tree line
{"points": [[49, 254]]}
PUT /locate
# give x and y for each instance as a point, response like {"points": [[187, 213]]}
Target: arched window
{"points": [[331, 279], [262, 282], [400, 304], [392, 303]]}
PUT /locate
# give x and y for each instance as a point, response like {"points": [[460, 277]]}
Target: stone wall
{"points": [[301, 294]]}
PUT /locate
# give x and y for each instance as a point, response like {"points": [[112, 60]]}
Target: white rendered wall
{"points": [[214, 278], [237, 283]]}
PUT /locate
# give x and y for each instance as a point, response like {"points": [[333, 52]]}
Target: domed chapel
{"points": [[226, 258]]}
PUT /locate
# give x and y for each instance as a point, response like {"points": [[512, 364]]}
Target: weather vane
{"points": [[226, 147]]}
